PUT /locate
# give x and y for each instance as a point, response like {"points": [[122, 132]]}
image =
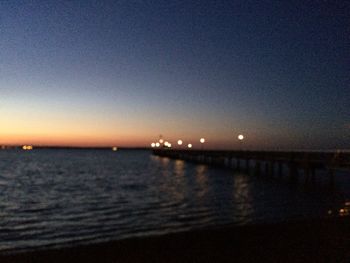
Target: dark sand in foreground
{"points": [[311, 241]]}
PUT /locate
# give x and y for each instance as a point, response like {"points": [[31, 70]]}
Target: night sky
{"points": [[103, 73]]}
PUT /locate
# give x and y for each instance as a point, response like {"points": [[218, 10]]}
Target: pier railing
{"points": [[267, 161], [320, 160]]}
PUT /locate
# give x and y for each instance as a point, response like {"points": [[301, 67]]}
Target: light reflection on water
{"points": [[53, 197], [242, 197], [201, 178]]}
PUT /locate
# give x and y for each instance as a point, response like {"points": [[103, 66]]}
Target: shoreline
{"points": [[326, 240]]}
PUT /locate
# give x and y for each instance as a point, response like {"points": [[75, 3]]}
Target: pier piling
{"points": [[308, 161]]}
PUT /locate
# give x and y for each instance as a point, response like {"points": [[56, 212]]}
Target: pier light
{"points": [[114, 149], [179, 142], [189, 145], [161, 140], [166, 144], [240, 137], [153, 145], [169, 145], [202, 141], [157, 144]]}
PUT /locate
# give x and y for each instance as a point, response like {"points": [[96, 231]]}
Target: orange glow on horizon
{"points": [[73, 140], [22, 127]]}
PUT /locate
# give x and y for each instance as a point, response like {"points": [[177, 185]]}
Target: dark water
{"points": [[61, 197]]}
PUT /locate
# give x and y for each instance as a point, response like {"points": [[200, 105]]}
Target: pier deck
{"points": [[267, 161]]}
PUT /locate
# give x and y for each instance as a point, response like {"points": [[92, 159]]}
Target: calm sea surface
{"points": [[64, 197]]}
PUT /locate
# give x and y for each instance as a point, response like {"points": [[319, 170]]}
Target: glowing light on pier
{"points": [[157, 144], [240, 137], [161, 140], [179, 142], [166, 144], [114, 149], [153, 145], [202, 141], [189, 145]]}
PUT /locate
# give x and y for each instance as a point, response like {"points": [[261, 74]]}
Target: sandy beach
{"points": [[300, 241]]}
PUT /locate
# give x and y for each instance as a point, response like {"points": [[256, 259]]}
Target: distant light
{"points": [[189, 145], [161, 140], [114, 149], [202, 140], [179, 142], [27, 147], [153, 145], [240, 137], [169, 145], [157, 144], [166, 144]]}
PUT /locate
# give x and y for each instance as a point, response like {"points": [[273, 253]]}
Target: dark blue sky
{"points": [[123, 72]]}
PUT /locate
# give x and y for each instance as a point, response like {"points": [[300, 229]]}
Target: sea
{"points": [[66, 197]]}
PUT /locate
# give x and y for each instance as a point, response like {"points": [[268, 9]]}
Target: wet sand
{"points": [[307, 241]]}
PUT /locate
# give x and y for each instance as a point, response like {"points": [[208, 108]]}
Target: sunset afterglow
{"points": [[135, 70]]}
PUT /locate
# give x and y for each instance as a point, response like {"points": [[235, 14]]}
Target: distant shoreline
{"points": [[55, 147], [325, 240], [17, 147]]}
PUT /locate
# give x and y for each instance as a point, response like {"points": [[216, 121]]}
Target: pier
{"points": [[270, 163]]}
